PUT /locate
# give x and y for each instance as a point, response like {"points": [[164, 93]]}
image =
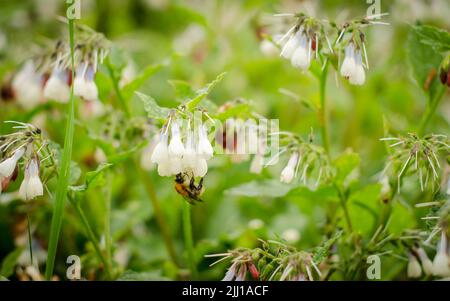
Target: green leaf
{"points": [[437, 38], [93, 178], [203, 92], [152, 108], [363, 207], [345, 166], [423, 60], [129, 89], [10, 262], [183, 89], [264, 188]]}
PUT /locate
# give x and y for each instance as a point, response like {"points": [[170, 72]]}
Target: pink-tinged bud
{"points": [[253, 271]]}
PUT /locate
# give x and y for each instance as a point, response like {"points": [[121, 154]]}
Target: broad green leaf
{"points": [[321, 194], [183, 90], [152, 108], [424, 60], [93, 178], [264, 188], [129, 89], [239, 110], [437, 38], [203, 92], [363, 207], [345, 165], [10, 262]]}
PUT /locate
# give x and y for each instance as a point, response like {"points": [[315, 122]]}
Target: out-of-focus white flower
{"points": [[26, 85], [291, 235], [255, 223], [414, 270], [288, 173], [427, 265], [204, 148], [441, 260], [56, 87], [352, 67], [7, 166], [84, 85], [31, 186], [146, 155], [257, 164], [128, 74]]}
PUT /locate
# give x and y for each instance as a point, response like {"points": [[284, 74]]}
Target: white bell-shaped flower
{"points": [[204, 148], [427, 265], [84, 85], [301, 58], [56, 87], [27, 87], [291, 45], [7, 166], [348, 65], [176, 147], [160, 153], [413, 270], [359, 76], [31, 186], [200, 167], [288, 173], [441, 260]]}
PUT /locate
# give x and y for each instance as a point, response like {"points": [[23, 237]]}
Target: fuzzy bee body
{"points": [[185, 186]]}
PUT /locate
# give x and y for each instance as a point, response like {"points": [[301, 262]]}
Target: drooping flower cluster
{"points": [[302, 43], [182, 149], [48, 76], [24, 146], [418, 154], [274, 261], [306, 160]]}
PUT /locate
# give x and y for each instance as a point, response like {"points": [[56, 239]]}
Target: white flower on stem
{"points": [[288, 173], [427, 265], [27, 87], [146, 155], [348, 65], [441, 260], [414, 270], [7, 166], [231, 273], [204, 147], [301, 57], [31, 186], [56, 87], [84, 85], [176, 147], [160, 153], [242, 273], [291, 45], [192, 161], [352, 67]]}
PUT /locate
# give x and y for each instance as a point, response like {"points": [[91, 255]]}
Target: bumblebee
{"points": [[185, 186]]}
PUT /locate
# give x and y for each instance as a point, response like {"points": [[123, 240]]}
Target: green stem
{"points": [[29, 239], [145, 178], [91, 236], [115, 82], [431, 108], [108, 238], [189, 244], [64, 172], [322, 112]]}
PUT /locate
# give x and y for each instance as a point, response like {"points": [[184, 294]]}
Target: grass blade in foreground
{"points": [[64, 173]]}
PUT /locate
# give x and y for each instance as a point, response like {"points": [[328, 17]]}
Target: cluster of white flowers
{"points": [[439, 267], [31, 186], [352, 67], [298, 49], [27, 86], [175, 156]]}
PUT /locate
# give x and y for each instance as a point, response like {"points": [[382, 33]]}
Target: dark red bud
{"points": [[253, 271]]}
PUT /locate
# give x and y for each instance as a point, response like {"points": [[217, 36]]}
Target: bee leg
{"points": [[192, 184], [200, 184]]}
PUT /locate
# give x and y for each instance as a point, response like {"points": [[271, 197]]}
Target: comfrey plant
{"points": [[48, 75], [418, 155], [24, 149], [304, 41], [274, 261]]}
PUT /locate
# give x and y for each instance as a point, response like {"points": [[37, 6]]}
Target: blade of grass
{"points": [[64, 171]]}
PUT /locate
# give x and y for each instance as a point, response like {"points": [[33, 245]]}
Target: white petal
{"points": [[57, 89], [414, 269], [291, 45]]}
